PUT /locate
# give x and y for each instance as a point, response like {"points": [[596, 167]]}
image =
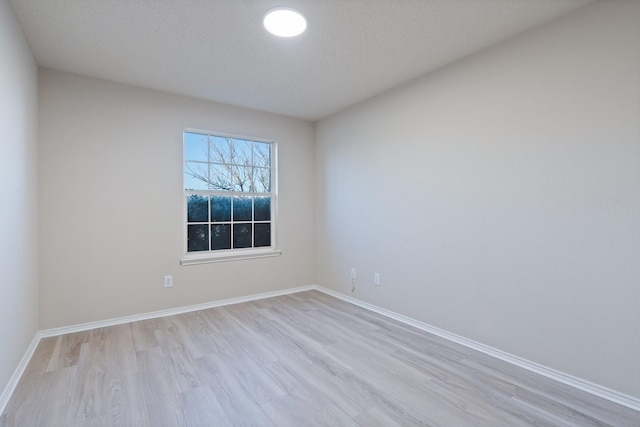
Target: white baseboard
{"points": [[589, 387], [570, 380], [17, 374], [169, 312]]}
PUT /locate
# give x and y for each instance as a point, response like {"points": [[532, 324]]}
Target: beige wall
{"points": [[18, 195], [499, 197], [111, 201]]}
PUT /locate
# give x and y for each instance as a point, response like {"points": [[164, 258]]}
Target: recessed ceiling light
{"points": [[285, 22]]}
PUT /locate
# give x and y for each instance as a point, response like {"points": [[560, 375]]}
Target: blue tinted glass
{"points": [[220, 208], [242, 179], [197, 208], [242, 152], [196, 147], [220, 177], [197, 238], [242, 208], [262, 208], [242, 235], [262, 180], [262, 235], [220, 236], [221, 149], [196, 176], [262, 154]]}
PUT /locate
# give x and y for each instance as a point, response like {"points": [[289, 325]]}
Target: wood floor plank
{"points": [[306, 403], [236, 403], [143, 334], [161, 396], [194, 333], [402, 391], [88, 406], [179, 363], [201, 408], [48, 404], [349, 394], [375, 417], [305, 359]]}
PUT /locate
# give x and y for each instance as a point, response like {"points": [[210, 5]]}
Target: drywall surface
{"points": [[111, 201], [18, 188], [499, 198]]}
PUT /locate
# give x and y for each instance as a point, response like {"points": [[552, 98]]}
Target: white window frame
{"points": [[218, 255]]}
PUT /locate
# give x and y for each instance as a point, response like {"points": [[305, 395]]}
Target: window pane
{"points": [[196, 176], [262, 154], [262, 235], [197, 208], [241, 235], [242, 208], [197, 238], [196, 147], [221, 177], [262, 208], [242, 152], [242, 178], [262, 180], [221, 236], [220, 149], [220, 208]]}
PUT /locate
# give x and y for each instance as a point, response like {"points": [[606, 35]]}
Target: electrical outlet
{"points": [[353, 273], [168, 281], [376, 279]]}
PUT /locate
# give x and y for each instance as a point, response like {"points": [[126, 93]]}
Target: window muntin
{"points": [[229, 197]]}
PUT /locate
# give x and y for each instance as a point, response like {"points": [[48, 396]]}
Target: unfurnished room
{"points": [[320, 213]]}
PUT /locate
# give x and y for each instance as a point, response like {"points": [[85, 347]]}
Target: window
{"points": [[229, 197]]}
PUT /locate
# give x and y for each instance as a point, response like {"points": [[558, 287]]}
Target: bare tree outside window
{"points": [[232, 165]]}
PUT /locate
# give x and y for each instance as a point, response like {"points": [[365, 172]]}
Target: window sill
{"points": [[193, 259]]}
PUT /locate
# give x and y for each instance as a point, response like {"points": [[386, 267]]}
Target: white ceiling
{"points": [[218, 49]]}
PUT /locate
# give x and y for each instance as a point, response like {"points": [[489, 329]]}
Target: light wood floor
{"points": [[305, 359]]}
